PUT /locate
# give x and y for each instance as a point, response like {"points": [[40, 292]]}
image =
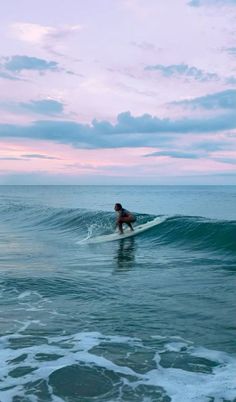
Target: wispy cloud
{"points": [[132, 89], [211, 146], [183, 70], [41, 34], [8, 76], [219, 100], [11, 158], [230, 80], [217, 150], [39, 156], [231, 50], [129, 131], [198, 3], [44, 107], [175, 154], [230, 161], [147, 46], [48, 37]]}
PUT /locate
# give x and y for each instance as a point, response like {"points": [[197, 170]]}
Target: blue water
{"points": [[149, 318]]}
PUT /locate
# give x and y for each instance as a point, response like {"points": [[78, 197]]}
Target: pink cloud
{"points": [[125, 162]]}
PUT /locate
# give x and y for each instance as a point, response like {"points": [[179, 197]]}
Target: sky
{"points": [[118, 92]]}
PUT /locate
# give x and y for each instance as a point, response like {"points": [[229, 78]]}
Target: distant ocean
{"points": [[145, 319]]}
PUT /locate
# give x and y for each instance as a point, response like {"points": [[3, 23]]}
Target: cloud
{"points": [[48, 107], [230, 80], [45, 106], [211, 146], [40, 156], [11, 67], [175, 154], [231, 50], [199, 3], [41, 34], [8, 76], [11, 158], [176, 70], [147, 46], [219, 100], [49, 38], [17, 63], [230, 161], [129, 131], [20, 63], [131, 89]]}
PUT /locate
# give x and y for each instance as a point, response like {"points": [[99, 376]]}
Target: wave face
{"points": [[197, 232], [181, 231]]}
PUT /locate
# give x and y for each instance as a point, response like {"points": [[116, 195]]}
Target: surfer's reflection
{"points": [[125, 257]]}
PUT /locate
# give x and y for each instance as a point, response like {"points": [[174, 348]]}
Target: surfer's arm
{"points": [[117, 219], [118, 216]]}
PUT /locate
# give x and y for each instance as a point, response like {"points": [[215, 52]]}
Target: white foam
{"points": [[25, 294], [176, 346], [180, 385], [127, 233]]}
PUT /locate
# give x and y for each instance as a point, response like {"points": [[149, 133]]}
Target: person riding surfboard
{"points": [[123, 216]]}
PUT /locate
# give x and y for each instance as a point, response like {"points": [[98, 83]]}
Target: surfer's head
{"points": [[117, 207]]}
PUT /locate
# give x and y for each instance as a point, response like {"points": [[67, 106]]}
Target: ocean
{"points": [[144, 319]]}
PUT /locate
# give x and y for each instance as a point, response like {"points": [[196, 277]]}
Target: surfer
{"points": [[123, 216]]}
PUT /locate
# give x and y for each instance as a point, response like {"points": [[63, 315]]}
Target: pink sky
{"points": [[170, 65]]}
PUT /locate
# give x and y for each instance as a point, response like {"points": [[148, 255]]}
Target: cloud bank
{"points": [[144, 130]]}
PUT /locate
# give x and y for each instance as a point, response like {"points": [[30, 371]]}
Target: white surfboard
{"points": [[127, 232]]}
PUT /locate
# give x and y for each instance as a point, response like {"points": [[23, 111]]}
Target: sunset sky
{"points": [[118, 92]]}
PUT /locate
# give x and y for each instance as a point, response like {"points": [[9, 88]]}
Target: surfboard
{"points": [[127, 232]]}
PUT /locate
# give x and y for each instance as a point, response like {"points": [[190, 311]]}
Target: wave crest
{"points": [[185, 231]]}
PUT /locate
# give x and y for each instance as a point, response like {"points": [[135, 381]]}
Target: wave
{"points": [[186, 231], [200, 233]]}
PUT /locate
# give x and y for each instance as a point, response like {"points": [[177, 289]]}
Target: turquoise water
{"points": [[149, 318]]}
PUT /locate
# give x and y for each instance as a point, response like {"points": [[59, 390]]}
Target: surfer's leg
{"points": [[130, 226], [120, 227], [128, 221]]}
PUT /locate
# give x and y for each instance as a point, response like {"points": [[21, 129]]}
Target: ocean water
{"points": [[149, 318]]}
